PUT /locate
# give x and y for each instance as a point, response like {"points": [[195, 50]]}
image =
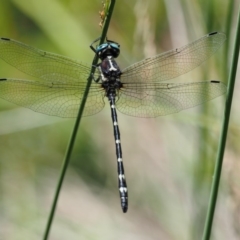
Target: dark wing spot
{"points": [[177, 51], [7, 39], [43, 54], [213, 33]]}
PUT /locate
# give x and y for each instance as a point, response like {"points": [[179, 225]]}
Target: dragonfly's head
{"points": [[109, 48]]}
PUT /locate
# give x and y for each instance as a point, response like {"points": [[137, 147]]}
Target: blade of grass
{"points": [[222, 143], [77, 123]]}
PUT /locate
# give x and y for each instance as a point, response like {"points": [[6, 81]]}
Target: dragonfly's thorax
{"points": [[110, 75], [109, 69]]}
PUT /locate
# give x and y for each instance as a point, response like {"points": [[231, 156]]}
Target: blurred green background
{"points": [[168, 161]]}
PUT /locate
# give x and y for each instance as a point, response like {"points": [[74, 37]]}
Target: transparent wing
{"points": [[155, 99], [47, 66], [174, 63], [60, 99]]}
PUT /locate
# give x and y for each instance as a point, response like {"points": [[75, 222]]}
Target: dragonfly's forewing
{"points": [[174, 63], [44, 65]]}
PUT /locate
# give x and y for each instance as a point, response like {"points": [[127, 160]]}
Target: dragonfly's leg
{"points": [[102, 75], [96, 80], [110, 41], [91, 46]]}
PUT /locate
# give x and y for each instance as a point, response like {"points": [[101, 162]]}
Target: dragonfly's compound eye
{"points": [[101, 47], [108, 49], [114, 45]]}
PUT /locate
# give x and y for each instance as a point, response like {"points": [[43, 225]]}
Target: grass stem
{"points": [[223, 137], [76, 125]]}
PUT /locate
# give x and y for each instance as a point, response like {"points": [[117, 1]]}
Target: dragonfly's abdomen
{"points": [[122, 185]]}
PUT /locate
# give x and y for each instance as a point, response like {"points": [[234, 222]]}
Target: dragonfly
{"points": [[139, 90]]}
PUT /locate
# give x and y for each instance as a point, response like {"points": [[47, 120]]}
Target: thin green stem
{"points": [[77, 123], [222, 143]]}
